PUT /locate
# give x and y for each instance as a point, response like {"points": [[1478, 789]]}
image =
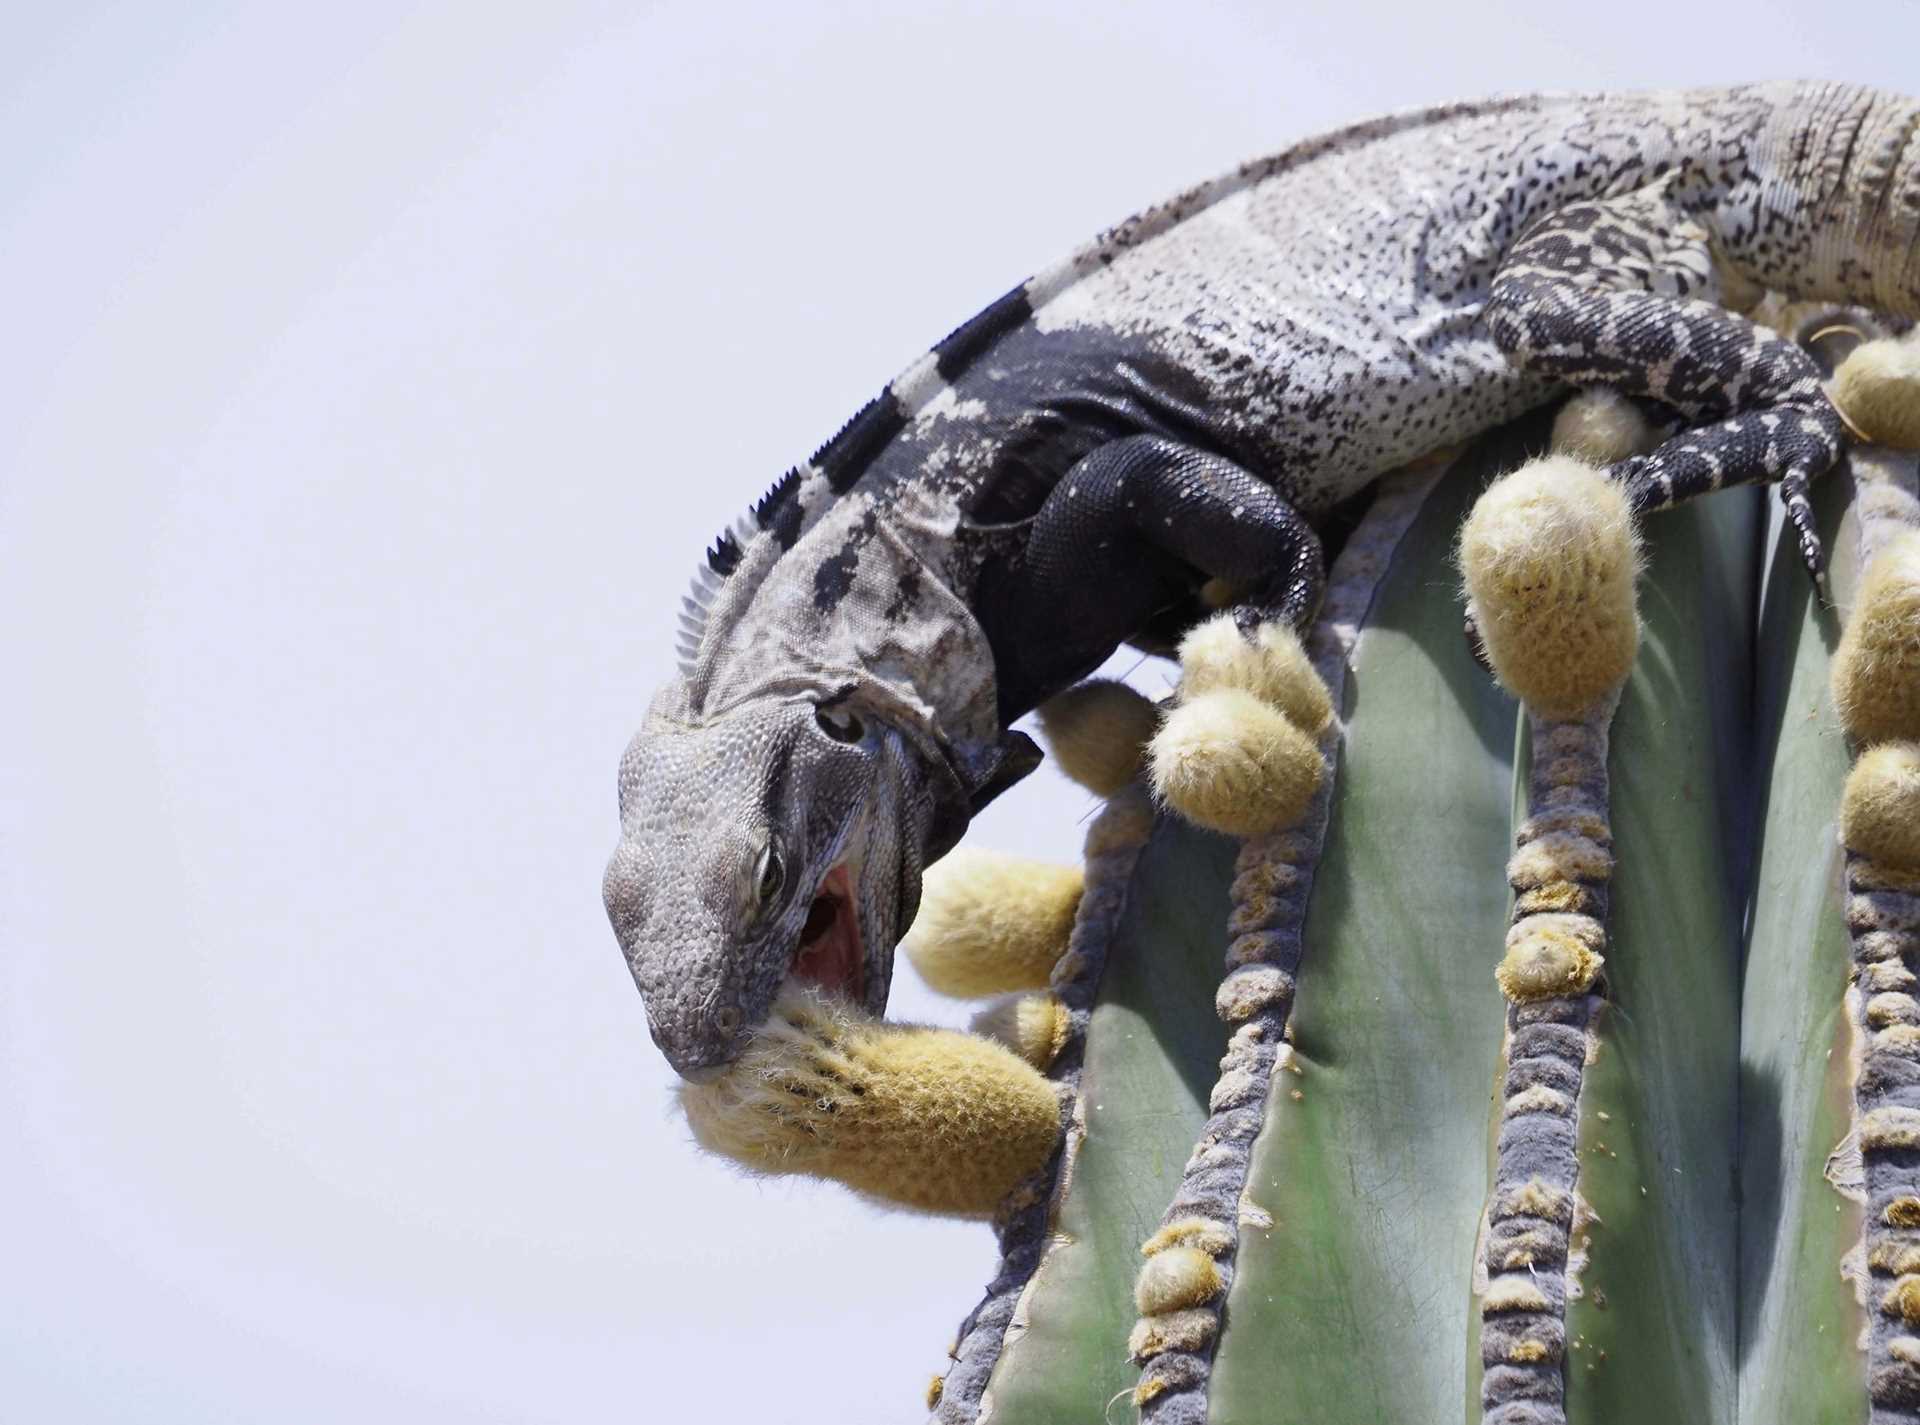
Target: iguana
{"points": [[1186, 398]]}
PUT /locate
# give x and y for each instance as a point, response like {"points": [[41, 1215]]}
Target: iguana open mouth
{"points": [[830, 953]]}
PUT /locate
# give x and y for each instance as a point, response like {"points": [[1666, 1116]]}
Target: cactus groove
{"points": [[1798, 1316], [1651, 1334], [1372, 1162]]}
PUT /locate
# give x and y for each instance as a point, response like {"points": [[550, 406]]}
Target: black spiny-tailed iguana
{"points": [[1183, 399]]}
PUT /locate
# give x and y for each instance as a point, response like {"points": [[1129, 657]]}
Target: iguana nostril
{"points": [[726, 1019]]}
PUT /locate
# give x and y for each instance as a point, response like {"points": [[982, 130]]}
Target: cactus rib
{"points": [[1559, 874], [1273, 877], [1113, 846], [1884, 922], [1883, 926]]}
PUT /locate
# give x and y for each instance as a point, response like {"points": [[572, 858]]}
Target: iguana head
{"points": [[784, 837], [834, 726]]}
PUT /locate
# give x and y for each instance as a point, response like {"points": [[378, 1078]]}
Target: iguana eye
{"points": [[839, 724], [769, 875]]}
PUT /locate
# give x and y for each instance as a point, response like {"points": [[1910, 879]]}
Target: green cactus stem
{"points": [[1273, 878], [1350, 1296], [1113, 846], [1651, 1334], [1668, 1175]]}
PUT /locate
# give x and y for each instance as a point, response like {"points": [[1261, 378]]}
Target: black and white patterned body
{"points": [[1191, 393], [1320, 317]]}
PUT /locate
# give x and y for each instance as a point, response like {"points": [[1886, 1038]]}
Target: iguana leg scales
{"points": [[1121, 534], [1620, 293]]}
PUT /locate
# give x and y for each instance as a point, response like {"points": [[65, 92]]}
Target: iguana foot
{"points": [[1132, 532], [1651, 327]]}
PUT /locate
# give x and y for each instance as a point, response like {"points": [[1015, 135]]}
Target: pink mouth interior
{"points": [[829, 954]]}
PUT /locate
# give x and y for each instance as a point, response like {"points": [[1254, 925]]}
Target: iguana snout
{"points": [[783, 838]]}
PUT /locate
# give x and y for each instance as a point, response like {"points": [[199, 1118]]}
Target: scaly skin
{"points": [[1185, 397]]}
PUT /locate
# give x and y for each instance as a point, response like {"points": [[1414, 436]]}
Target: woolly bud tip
{"points": [[1033, 1026], [1198, 1232], [1098, 732], [1273, 666], [1176, 1278], [1877, 388], [926, 1118], [1230, 762], [1550, 555], [1892, 1007], [1903, 1300], [1547, 956], [1513, 1293], [1876, 669], [1536, 1198], [1902, 1212], [1890, 1128], [1189, 1330], [1895, 1257], [1880, 811], [1600, 426], [989, 923]]}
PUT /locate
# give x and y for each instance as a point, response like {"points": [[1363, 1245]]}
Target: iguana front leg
{"points": [[1117, 540], [1621, 293], [1120, 538]]}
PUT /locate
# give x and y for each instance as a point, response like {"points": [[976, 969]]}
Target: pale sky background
{"points": [[371, 378]]}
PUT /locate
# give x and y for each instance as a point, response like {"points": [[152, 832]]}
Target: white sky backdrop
{"points": [[371, 378]]}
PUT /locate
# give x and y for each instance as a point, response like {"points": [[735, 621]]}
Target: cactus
{"points": [[1532, 1051], [1365, 1131]]}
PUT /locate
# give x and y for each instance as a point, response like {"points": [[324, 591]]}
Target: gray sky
{"points": [[372, 378]]}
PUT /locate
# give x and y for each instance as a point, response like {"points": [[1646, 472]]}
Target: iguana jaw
{"points": [[711, 924], [831, 953]]}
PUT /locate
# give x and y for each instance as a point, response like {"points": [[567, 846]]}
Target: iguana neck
{"points": [[868, 599]]}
